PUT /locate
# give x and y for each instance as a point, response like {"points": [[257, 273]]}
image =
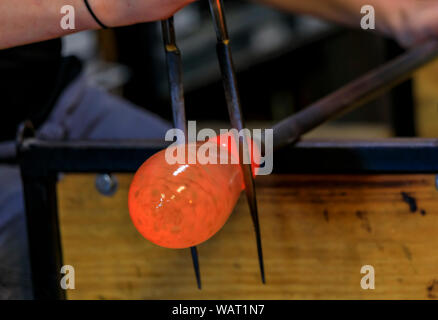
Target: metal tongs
{"points": [[174, 66]]}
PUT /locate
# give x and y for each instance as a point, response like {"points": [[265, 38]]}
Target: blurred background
{"points": [[284, 63]]}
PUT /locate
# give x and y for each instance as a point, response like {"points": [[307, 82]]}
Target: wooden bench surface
{"points": [[318, 231]]}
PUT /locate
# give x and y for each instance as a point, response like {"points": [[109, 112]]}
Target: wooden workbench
{"points": [[318, 231]]}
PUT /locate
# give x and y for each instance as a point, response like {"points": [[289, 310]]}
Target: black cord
{"points": [[94, 16]]}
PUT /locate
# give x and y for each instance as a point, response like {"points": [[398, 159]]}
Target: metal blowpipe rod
{"points": [[354, 94]]}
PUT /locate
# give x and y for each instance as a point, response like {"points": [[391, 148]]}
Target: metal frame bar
{"points": [[396, 155], [44, 235]]}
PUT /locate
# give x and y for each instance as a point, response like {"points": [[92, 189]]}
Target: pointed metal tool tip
{"points": [[262, 266], [195, 260], [262, 272], [255, 218]]}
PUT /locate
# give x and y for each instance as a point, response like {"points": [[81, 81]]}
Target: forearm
{"points": [[27, 21], [410, 22]]}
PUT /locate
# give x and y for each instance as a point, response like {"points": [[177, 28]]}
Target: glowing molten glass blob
{"points": [[182, 205]]}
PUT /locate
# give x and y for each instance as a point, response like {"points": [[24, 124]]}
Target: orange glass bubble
{"points": [[182, 205]]}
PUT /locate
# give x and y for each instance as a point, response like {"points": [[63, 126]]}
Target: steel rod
{"points": [[174, 68], [354, 94], [235, 113]]}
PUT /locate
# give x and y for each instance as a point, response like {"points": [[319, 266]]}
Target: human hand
{"points": [[410, 22]]}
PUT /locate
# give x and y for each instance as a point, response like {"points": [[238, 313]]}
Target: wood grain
{"points": [[318, 231]]}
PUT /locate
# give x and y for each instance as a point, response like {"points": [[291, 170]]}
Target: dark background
{"points": [[284, 63]]}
